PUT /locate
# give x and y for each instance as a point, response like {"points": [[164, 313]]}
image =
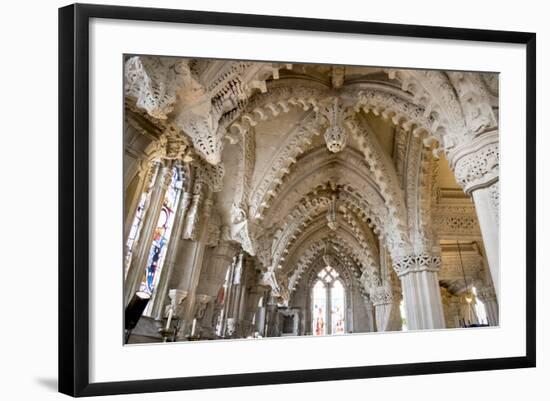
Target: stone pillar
{"points": [[261, 314], [467, 309], [488, 297], [234, 298], [189, 256], [212, 279], [476, 167], [421, 293], [272, 318], [139, 264], [202, 301], [386, 301], [451, 309], [371, 321]]}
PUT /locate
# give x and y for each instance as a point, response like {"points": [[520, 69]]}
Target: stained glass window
{"points": [[319, 309], [337, 308], [137, 223], [162, 233], [328, 295]]}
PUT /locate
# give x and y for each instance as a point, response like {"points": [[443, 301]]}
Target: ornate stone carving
{"points": [[336, 133], [164, 85], [171, 145], [202, 302], [416, 263], [476, 164], [383, 294], [177, 298], [494, 196], [475, 101], [332, 221], [154, 81], [210, 175]]}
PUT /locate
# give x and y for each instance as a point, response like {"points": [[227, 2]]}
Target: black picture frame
{"points": [[74, 198]]}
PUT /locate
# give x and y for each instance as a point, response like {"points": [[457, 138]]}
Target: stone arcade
{"points": [[272, 199]]}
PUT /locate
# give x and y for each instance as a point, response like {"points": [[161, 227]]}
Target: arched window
{"points": [[337, 307], [328, 304], [162, 233], [319, 312]]}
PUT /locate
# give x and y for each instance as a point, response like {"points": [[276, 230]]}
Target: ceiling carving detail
{"points": [[298, 168]]}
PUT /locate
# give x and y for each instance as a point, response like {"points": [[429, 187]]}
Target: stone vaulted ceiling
{"points": [[313, 161]]}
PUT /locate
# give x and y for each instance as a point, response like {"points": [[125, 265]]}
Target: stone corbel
{"points": [[278, 285], [177, 298], [241, 230], [202, 302]]}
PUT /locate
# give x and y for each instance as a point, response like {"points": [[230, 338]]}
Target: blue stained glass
{"points": [[162, 233]]}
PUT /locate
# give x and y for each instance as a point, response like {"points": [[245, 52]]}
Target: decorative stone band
{"points": [[476, 164], [385, 294], [416, 263]]}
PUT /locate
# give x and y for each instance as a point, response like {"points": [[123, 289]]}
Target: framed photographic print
{"points": [[250, 199]]}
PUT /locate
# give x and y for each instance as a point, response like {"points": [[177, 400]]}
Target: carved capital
{"points": [[416, 263], [385, 294], [476, 164]]}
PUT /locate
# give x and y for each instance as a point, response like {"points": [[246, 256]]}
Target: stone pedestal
{"points": [[421, 293]]}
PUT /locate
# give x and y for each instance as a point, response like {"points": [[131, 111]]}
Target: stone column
{"points": [[234, 298], [212, 279], [261, 314], [371, 320], [202, 301], [272, 318], [451, 309], [189, 256], [421, 293], [488, 297], [139, 264], [467, 309], [476, 167], [386, 301]]}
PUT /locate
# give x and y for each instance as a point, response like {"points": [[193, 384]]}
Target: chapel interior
{"points": [[272, 199]]}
